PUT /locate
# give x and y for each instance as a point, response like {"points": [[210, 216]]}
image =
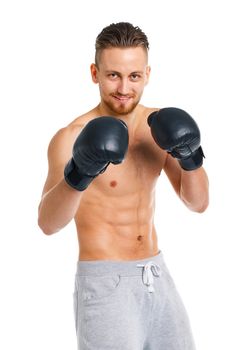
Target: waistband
{"points": [[122, 268]]}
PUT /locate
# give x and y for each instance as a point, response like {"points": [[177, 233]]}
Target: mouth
{"points": [[121, 98]]}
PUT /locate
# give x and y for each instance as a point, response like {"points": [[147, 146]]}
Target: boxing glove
{"points": [[102, 141], [175, 131]]}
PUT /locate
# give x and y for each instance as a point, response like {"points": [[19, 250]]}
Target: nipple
{"points": [[113, 183]]}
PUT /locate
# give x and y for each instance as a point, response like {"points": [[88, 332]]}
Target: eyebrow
{"points": [[118, 73]]}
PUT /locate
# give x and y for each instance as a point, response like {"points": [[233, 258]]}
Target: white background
{"points": [[199, 63]]}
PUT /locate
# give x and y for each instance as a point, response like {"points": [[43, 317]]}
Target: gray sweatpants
{"points": [[129, 305]]}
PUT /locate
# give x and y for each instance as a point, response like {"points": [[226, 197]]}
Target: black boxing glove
{"points": [[102, 141], [175, 131]]}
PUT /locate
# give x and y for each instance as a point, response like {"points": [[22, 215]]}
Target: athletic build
{"points": [[110, 190]]}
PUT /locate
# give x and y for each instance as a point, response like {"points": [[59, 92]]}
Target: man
{"points": [[103, 168]]}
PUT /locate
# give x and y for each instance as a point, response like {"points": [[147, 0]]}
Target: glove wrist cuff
{"points": [[195, 161], [75, 178]]}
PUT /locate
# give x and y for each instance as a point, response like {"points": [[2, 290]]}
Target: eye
{"points": [[112, 76], [135, 77]]}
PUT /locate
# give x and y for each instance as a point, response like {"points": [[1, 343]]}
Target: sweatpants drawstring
{"points": [[149, 270]]}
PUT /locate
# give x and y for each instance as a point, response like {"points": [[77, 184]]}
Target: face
{"points": [[122, 74]]}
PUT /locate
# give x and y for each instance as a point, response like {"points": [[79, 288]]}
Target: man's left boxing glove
{"points": [[175, 131], [102, 141]]}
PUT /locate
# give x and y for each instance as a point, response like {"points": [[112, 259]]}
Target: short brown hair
{"points": [[122, 34]]}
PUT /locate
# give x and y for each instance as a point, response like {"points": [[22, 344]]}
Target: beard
{"points": [[121, 108]]}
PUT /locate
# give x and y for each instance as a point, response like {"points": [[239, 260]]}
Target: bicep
{"points": [[173, 172], [58, 154]]}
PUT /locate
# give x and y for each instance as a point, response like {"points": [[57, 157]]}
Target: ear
{"points": [[148, 71], [94, 73]]}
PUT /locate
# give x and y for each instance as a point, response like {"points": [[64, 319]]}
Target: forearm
{"points": [[194, 189], [58, 207]]}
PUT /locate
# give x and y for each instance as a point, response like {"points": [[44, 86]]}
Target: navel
{"points": [[113, 183], [139, 238]]}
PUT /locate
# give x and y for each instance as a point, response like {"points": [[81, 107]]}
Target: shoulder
{"points": [[65, 137], [143, 114], [61, 142], [144, 134], [60, 149], [146, 111]]}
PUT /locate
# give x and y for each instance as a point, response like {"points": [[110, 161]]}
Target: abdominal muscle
{"points": [[116, 227]]}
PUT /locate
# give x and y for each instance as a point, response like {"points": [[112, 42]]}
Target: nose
{"points": [[123, 87]]}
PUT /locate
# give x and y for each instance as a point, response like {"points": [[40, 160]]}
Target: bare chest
{"points": [[138, 172]]}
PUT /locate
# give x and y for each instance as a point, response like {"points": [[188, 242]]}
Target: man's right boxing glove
{"points": [[102, 141]]}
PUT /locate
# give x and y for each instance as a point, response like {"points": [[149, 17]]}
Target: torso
{"points": [[115, 218]]}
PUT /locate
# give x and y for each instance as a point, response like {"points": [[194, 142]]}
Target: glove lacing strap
{"points": [[149, 270]]}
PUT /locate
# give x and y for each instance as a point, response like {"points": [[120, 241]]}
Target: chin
{"points": [[123, 110]]}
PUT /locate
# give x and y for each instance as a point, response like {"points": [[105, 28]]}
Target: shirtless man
{"points": [[103, 169]]}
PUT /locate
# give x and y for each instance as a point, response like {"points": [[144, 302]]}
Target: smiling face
{"points": [[122, 74]]}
